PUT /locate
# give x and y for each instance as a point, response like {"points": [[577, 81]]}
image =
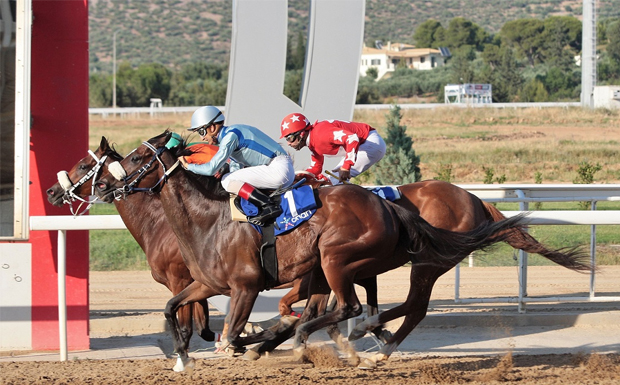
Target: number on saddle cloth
{"points": [[298, 205]]}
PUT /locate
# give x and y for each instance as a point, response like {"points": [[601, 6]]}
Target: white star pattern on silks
{"points": [[338, 135], [295, 118], [352, 138], [285, 126], [351, 155], [312, 163]]}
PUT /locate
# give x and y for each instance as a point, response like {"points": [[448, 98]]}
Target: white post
{"points": [[62, 294], [588, 53], [523, 206], [593, 255], [457, 282], [114, 69]]}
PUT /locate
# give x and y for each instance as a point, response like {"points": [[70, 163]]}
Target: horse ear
{"points": [[104, 145]]}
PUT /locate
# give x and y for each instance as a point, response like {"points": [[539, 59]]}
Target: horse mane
{"points": [[112, 153], [207, 185]]}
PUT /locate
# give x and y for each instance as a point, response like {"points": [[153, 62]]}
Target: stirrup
{"points": [[265, 219]]}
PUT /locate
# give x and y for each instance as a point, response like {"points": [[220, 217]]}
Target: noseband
{"points": [[70, 196], [117, 170]]}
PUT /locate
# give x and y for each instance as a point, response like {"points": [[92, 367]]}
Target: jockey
{"points": [[256, 160], [360, 144]]}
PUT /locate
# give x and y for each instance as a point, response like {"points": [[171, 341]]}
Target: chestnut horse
{"points": [[353, 234], [139, 212], [448, 207], [166, 263]]}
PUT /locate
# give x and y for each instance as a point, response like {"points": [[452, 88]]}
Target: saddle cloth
{"points": [[298, 205]]}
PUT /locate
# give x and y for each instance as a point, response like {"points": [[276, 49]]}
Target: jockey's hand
{"points": [[183, 161], [344, 175]]}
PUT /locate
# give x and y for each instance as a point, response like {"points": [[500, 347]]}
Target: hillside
{"points": [[177, 32]]}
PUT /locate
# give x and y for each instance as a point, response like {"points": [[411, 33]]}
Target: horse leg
{"points": [[201, 320], [414, 309], [192, 293], [348, 306], [372, 306], [298, 292], [241, 302], [285, 328]]}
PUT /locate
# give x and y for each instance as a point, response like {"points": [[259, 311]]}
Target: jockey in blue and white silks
{"points": [[256, 160]]}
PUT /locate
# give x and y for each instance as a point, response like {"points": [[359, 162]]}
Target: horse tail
{"points": [[431, 245], [570, 257]]}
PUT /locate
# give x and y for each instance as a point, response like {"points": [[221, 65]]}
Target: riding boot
{"points": [[268, 210]]}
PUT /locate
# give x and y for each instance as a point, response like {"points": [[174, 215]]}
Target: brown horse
{"points": [[139, 212], [166, 263], [353, 234], [448, 207]]}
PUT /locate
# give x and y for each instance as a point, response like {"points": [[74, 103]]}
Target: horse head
{"points": [[77, 184], [141, 167]]}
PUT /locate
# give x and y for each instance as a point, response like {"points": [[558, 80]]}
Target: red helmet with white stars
{"points": [[293, 123]]}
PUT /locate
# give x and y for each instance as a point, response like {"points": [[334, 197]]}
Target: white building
{"points": [[386, 58]]}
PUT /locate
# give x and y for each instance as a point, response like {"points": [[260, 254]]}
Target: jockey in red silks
{"points": [[256, 160], [358, 143]]}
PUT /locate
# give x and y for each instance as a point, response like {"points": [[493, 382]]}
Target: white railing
{"points": [[523, 194], [122, 111]]}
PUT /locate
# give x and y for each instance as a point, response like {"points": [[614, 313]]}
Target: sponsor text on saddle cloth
{"points": [[298, 205]]}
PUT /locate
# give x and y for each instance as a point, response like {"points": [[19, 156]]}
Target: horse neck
{"points": [[143, 215]]}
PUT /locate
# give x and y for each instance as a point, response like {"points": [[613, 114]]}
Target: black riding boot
{"points": [[268, 210]]}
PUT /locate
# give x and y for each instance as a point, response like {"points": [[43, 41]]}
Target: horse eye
{"points": [[83, 167], [136, 158]]}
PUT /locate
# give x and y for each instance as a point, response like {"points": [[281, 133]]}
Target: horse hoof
{"points": [[298, 353], [251, 355], [367, 364], [379, 357], [356, 335], [184, 366], [385, 336]]}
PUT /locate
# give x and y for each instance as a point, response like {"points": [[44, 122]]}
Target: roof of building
{"points": [[400, 50]]}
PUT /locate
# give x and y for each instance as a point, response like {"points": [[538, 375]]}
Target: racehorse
{"points": [[449, 207], [167, 266], [353, 234], [139, 213]]}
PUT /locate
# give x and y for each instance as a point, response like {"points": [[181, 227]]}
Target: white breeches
{"points": [[369, 153], [279, 173]]}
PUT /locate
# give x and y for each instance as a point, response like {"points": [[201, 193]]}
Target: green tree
{"points": [[425, 35], [526, 36], [400, 164], [534, 91], [613, 47], [461, 65], [461, 32], [506, 79], [562, 41]]}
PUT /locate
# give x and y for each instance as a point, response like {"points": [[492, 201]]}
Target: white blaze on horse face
{"points": [[117, 171], [259, 45]]}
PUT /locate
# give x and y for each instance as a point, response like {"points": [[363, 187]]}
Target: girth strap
{"points": [[268, 257]]}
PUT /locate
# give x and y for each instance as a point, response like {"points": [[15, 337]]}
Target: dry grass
{"points": [[516, 143]]}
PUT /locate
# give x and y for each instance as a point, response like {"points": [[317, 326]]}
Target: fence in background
{"points": [[522, 194], [153, 110]]}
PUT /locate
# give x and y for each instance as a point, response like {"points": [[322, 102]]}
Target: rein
{"points": [[70, 196], [117, 170]]}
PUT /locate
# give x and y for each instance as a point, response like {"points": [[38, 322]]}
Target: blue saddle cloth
{"points": [[386, 192], [298, 205]]}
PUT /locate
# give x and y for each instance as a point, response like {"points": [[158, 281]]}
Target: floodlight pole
{"points": [[114, 69], [588, 54]]}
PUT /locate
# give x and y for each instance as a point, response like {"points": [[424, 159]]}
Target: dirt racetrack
{"points": [[126, 294]]}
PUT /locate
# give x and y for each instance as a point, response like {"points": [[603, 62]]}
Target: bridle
{"points": [[118, 172], [70, 196]]}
